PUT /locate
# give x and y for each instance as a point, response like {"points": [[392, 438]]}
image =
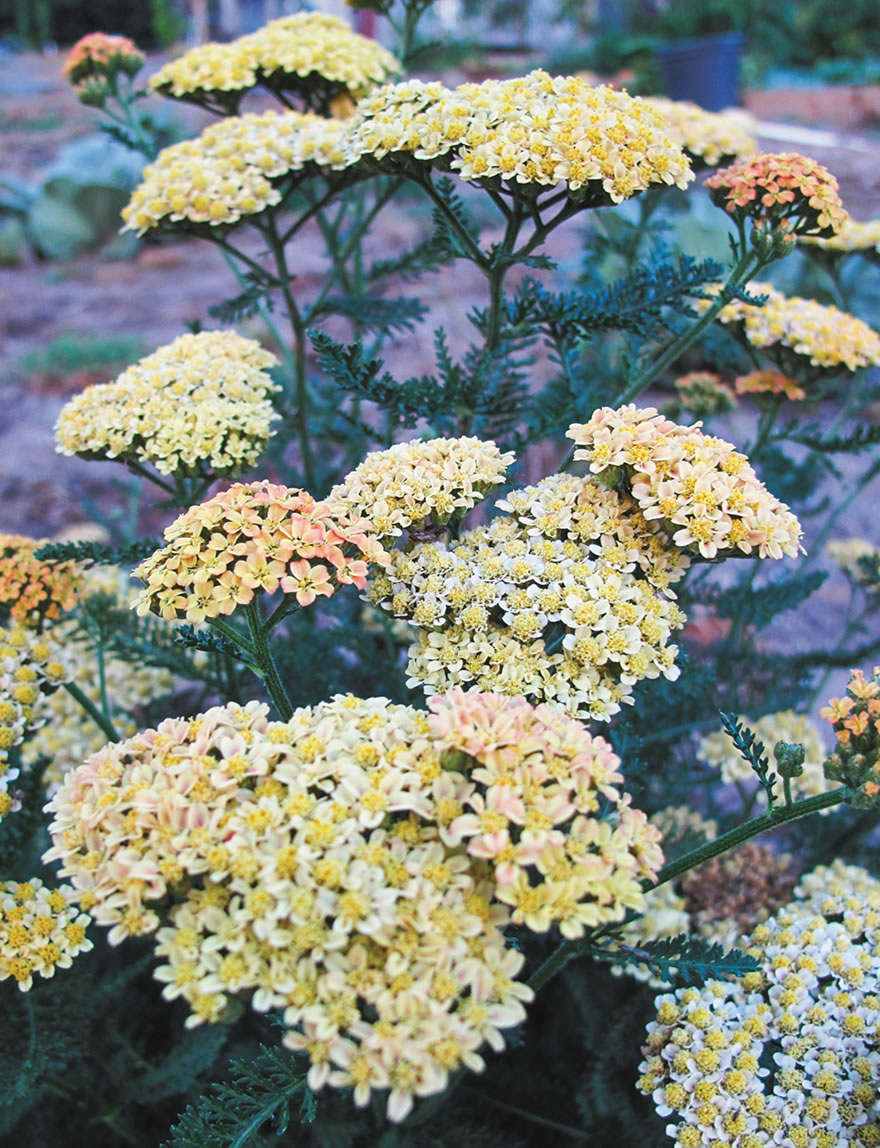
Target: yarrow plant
{"points": [[459, 819]]}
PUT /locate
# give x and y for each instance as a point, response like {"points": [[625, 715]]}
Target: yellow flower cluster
{"points": [[40, 930], [200, 403], [604, 145], [854, 236], [317, 864], [250, 539], [541, 779], [231, 170], [717, 750], [703, 491], [31, 665], [565, 599], [312, 54], [414, 484], [31, 590], [858, 559], [708, 138], [792, 330], [787, 1054]]}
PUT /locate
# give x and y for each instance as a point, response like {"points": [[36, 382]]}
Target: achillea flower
{"points": [[310, 870], [855, 719], [854, 237], [31, 666], [312, 55], [531, 132], [539, 779], [859, 560], [249, 539], [703, 393], [708, 138], [566, 599], [803, 336], [199, 404], [785, 191], [769, 383], [40, 930], [31, 590], [787, 1054], [717, 750], [98, 56], [700, 488], [413, 485], [232, 170]]}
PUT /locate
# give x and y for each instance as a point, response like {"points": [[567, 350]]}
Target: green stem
{"points": [[265, 661], [748, 265], [232, 634], [524, 1114], [474, 252], [136, 468], [101, 720], [102, 683]]}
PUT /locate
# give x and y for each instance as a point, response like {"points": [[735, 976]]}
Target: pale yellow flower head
{"points": [[232, 170], [708, 138], [854, 237], [41, 930], [311, 55], [201, 403]]}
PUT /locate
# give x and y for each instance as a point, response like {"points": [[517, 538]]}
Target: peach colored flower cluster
{"points": [[31, 590], [802, 333], [254, 538], [703, 491], [565, 599], [541, 778], [31, 665], [419, 483], [708, 138], [317, 863], [855, 719], [99, 56], [787, 190], [311, 54], [233, 169], [201, 401], [769, 383], [787, 1054], [604, 145], [703, 393], [41, 930]]}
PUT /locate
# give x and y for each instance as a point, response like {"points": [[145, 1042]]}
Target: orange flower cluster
{"points": [[787, 189], [31, 590], [252, 538], [769, 383], [855, 720], [705, 492], [98, 57]]}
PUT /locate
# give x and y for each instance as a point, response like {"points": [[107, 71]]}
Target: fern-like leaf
{"points": [[97, 554], [752, 751], [402, 314], [759, 606], [691, 960]]}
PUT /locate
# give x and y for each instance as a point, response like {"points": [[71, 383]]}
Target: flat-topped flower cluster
{"points": [[787, 1054], [855, 719], [32, 590], [254, 538], [309, 54], [318, 864], [700, 488], [801, 334], [99, 56], [708, 138], [854, 236], [201, 401], [41, 929], [565, 598]]}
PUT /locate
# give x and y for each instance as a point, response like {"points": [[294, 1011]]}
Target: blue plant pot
{"points": [[705, 71]]}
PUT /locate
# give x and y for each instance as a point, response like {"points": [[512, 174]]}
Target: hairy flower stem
{"points": [[748, 265], [265, 661], [101, 720], [568, 950]]}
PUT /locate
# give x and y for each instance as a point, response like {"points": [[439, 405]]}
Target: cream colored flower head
{"points": [[250, 539], [786, 1054], [708, 138], [416, 483], [859, 560], [311, 55], [699, 488], [803, 335], [200, 404], [565, 598], [531, 132], [41, 930], [232, 170], [854, 237]]}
